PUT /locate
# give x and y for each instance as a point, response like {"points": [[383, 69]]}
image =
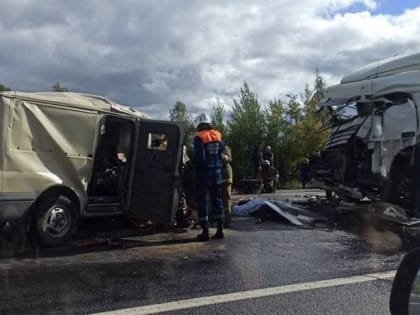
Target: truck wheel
{"points": [[55, 221]]}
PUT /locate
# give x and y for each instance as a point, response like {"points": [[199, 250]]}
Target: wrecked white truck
{"points": [[66, 156], [373, 147]]}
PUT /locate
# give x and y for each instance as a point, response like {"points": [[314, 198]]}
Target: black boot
{"points": [[204, 236], [219, 233]]}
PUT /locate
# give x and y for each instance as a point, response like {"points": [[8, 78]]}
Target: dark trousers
{"points": [[215, 194]]}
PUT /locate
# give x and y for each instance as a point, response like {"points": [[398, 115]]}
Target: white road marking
{"points": [[251, 294]]}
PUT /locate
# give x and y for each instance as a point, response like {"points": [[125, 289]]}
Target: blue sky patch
{"points": [[391, 7], [396, 7]]}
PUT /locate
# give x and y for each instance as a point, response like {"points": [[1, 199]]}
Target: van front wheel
{"points": [[56, 221]]}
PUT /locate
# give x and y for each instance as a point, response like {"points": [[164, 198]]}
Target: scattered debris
{"points": [[273, 209], [98, 241], [371, 219]]}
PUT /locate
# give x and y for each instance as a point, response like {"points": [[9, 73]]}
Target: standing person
{"points": [[268, 177], [305, 173], [268, 155], [208, 149], [257, 158], [227, 181]]}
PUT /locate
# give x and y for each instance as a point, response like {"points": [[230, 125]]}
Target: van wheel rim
{"points": [[56, 221]]}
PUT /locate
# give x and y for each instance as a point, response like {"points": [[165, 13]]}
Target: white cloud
{"points": [[152, 53]]}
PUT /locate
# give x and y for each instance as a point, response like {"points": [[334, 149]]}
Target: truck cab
{"points": [[67, 156], [373, 120]]}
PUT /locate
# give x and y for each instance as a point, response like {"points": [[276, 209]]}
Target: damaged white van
{"points": [[65, 156], [374, 133]]}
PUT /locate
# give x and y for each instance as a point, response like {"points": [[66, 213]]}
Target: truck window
{"points": [[365, 109]]}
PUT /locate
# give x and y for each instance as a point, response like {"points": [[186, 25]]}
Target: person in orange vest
{"points": [[208, 149]]}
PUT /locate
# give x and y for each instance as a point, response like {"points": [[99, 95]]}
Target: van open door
{"points": [[156, 178]]}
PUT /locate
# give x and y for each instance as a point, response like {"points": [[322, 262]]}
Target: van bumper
{"points": [[15, 206]]}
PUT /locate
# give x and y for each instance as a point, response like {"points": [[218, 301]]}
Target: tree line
{"points": [[291, 126], [56, 88]]}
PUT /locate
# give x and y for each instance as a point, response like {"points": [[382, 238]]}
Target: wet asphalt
{"points": [[153, 268]]}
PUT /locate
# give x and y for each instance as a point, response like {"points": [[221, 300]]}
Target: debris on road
{"points": [[275, 209], [98, 241], [366, 217]]}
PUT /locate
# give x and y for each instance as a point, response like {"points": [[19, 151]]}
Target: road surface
{"points": [[259, 268]]}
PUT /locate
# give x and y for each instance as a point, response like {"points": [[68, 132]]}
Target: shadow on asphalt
{"points": [[35, 251], [100, 235], [109, 234]]}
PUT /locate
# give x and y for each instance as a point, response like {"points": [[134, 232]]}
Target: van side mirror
{"points": [[405, 293]]}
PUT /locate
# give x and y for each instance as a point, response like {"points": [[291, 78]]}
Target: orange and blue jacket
{"points": [[208, 149]]}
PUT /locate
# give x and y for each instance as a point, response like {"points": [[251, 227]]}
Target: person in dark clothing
{"points": [[268, 155], [305, 173], [257, 158], [208, 149], [268, 177]]}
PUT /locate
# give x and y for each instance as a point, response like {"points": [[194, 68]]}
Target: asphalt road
{"points": [[164, 267]]}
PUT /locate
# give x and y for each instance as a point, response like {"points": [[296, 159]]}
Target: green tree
{"points": [[180, 114], [217, 115], [277, 132], [246, 128], [309, 128], [298, 125], [294, 109], [4, 88], [58, 88]]}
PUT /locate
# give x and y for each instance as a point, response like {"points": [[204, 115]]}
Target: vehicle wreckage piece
{"points": [[303, 215], [373, 149], [282, 211], [394, 214]]}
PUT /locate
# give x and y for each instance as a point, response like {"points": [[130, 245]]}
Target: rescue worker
{"points": [[208, 149], [268, 155], [268, 177], [227, 181]]}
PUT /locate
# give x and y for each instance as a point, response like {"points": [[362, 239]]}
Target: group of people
{"points": [[214, 176]]}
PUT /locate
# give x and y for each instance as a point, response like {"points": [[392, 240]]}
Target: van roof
{"points": [[77, 100]]}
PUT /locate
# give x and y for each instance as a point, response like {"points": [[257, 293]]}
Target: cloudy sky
{"points": [[148, 54]]}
